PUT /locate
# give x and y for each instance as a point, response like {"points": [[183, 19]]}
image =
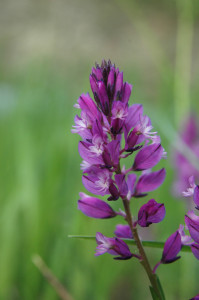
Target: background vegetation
{"points": [[47, 49]]}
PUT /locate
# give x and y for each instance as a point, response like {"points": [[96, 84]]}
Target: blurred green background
{"points": [[47, 50]]}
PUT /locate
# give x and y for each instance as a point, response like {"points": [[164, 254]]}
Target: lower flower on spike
{"points": [[113, 246]]}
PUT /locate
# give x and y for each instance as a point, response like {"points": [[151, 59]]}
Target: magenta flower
{"points": [[113, 246], [97, 181], [151, 212], [95, 208]]}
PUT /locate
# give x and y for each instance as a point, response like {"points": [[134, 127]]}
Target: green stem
{"points": [[144, 260]]}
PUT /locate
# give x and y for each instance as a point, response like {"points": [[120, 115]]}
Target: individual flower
{"points": [[97, 181], [94, 207], [113, 246], [151, 212], [171, 249]]}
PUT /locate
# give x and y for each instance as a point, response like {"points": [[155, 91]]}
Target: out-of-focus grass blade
{"points": [[150, 244]]}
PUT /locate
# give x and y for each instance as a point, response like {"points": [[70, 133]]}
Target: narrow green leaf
{"points": [[149, 244], [160, 288], [153, 293]]}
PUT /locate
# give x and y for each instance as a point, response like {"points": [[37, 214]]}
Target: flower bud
{"points": [[95, 208], [151, 212], [171, 248]]}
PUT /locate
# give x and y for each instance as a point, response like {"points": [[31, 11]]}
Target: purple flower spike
{"points": [[192, 222], [123, 231], [151, 212], [149, 182], [195, 250], [113, 246], [94, 207], [171, 248], [148, 157], [196, 196]]}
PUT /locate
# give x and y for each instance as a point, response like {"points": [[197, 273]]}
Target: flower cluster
{"points": [[111, 130]]}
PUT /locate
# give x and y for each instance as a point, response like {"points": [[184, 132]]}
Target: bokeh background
{"points": [[47, 50]]}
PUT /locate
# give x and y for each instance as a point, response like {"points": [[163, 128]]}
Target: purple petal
{"points": [[131, 179], [88, 155], [195, 250], [87, 105], [97, 73], [196, 196], [148, 157], [122, 185], [150, 182], [123, 231], [192, 222], [103, 97], [134, 113], [98, 181], [95, 208], [112, 152], [126, 93], [171, 248], [118, 86]]}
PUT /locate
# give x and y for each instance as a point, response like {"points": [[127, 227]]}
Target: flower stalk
{"points": [[144, 260]]}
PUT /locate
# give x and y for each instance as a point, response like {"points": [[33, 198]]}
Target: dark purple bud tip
{"points": [[95, 208], [172, 247]]}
